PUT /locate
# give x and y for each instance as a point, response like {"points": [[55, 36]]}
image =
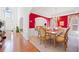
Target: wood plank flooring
{"points": [[16, 43]]}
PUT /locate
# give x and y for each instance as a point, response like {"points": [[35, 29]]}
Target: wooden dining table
{"points": [[53, 32]]}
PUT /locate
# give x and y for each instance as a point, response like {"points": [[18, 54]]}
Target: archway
{"points": [[33, 17], [40, 21]]}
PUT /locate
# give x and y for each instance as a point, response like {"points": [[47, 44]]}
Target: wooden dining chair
{"points": [[43, 36], [63, 38], [37, 28]]}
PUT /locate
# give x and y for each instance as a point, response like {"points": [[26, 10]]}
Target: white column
{"points": [[26, 12]]}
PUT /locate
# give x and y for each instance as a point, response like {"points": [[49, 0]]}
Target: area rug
{"points": [[41, 47]]}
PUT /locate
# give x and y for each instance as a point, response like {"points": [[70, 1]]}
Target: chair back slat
{"points": [[66, 33], [42, 32]]}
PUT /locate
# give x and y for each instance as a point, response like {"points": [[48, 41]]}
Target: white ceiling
{"points": [[54, 11]]}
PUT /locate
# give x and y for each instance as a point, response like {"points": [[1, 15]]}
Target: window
{"points": [[8, 12], [74, 22]]}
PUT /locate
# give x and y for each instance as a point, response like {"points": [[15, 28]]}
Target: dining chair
{"points": [[53, 37], [63, 38], [43, 36], [37, 28]]}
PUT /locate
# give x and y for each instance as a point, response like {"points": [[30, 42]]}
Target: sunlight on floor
{"points": [[9, 42]]}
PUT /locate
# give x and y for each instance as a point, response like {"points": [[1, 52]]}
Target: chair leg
{"points": [[65, 45], [0, 46], [50, 41], [54, 43], [40, 41], [45, 43]]}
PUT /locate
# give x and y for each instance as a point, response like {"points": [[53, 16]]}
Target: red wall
{"points": [[32, 17], [65, 19]]}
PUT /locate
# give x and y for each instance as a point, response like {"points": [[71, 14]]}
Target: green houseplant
{"points": [[17, 29]]}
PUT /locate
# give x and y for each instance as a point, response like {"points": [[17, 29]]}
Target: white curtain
{"points": [[73, 36]]}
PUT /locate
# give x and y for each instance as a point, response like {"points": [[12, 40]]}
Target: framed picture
{"points": [[61, 23]]}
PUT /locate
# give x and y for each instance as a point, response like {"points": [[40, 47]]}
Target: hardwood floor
{"points": [[20, 44], [16, 43]]}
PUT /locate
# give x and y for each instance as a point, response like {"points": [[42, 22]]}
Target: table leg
{"points": [[55, 41]]}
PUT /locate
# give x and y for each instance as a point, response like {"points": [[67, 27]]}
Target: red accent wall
{"points": [[64, 19], [32, 17]]}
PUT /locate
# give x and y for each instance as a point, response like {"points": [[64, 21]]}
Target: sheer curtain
{"points": [[73, 36]]}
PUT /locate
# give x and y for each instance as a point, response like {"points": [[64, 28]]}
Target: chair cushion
{"points": [[53, 36], [47, 37], [59, 39]]}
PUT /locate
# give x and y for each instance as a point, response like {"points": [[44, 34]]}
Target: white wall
{"points": [[26, 29]]}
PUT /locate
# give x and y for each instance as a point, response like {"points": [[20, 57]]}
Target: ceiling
{"points": [[54, 11]]}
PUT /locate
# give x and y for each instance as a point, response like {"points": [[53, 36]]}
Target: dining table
{"points": [[53, 32]]}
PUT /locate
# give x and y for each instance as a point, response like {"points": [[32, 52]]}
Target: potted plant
{"points": [[17, 29]]}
